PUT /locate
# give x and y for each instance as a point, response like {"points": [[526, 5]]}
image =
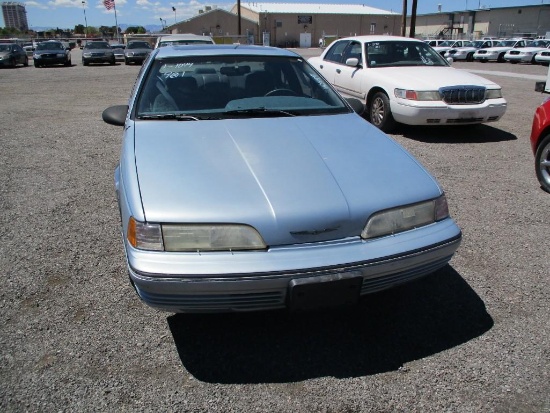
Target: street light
{"points": [[85, 20], [174, 9]]}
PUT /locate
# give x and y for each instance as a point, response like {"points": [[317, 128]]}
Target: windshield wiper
{"points": [[165, 116], [259, 111]]}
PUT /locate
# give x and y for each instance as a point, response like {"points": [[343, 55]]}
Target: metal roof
{"points": [[313, 8]]}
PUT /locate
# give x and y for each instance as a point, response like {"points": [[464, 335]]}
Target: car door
{"points": [[347, 79], [332, 60]]}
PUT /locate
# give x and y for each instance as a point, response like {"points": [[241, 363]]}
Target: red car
{"points": [[540, 143]]}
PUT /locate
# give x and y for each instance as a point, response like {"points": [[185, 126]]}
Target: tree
{"points": [[79, 29], [135, 30]]}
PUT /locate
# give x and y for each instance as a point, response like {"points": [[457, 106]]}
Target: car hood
{"points": [[41, 51], [429, 78], [138, 50], [5, 53], [530, 49], [499, 49], [301, 179]]}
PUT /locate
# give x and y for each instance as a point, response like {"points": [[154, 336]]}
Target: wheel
{"points": [[68, 62], [126, 62], [533, 61], [281, 92], [36, 64], [542, 163], [85, 63], [470, 57], [26, 62], [112, 62], [380, 112], [13, 62], [500, 58]]}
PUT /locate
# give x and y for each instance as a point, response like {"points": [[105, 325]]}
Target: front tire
{"points": [[470, 57], [500, 58], [26, 62], [380, 112], [36, 64], [542, 163]]}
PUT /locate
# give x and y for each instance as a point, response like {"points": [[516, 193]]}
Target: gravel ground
{"points": [[473, 337]]}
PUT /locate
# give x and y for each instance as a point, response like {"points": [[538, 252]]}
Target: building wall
{"points": [[500, 22]]}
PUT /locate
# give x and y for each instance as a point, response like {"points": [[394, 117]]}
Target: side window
{"points": [[353, 50], [335, 52]]}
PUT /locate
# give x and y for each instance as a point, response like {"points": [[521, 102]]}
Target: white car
{"points": [[543, 58], [182, 39], [403, 80], [527, 54], [450, 44], [467, 51], [497, 52]]}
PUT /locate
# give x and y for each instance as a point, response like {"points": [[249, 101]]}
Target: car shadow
{"points": [[455, 134], [381, 334]]}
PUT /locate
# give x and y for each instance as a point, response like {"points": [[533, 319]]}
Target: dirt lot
{"points": [[473, 337]]}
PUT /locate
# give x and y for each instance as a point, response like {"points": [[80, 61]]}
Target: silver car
{"points": [[246, 183]]}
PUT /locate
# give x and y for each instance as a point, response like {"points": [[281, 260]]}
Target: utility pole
{"points": [[85, 20], [404, 19], [413, 19]]}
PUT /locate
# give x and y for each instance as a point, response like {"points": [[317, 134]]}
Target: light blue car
{"points": [[247, 183]]}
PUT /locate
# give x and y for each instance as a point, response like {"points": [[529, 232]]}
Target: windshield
{"points": [[447, 43], [235, 86], [5, 47], [49, 46], [537, 43], [139, 45], [97, 45], [402, 53], [506, 43]]}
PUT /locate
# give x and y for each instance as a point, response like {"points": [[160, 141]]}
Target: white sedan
{"points": [[543, 58], [403, 80], [527, 54], [497, 53], [467, 51]]}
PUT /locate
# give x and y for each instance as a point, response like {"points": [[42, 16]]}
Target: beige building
{"points": [[304, 24], [529, 21]]}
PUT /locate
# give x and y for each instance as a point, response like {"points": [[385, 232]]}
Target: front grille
{"points": [[97, 54], [514, 52], [463, 95], [482, 52], [465, 120]]}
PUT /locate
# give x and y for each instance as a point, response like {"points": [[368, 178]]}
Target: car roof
{"points": [[381, 38], [222, 50], [186, 36]]}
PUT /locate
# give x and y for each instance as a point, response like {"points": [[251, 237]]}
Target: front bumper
{"points": [[51, 60], [222, 282], [439, 113]]}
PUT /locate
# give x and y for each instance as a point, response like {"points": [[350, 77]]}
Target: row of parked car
{"points": [[499, 50], [56, 52]]}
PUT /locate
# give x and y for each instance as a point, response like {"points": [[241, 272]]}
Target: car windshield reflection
{"points": [[235, 87], [398, 53]]}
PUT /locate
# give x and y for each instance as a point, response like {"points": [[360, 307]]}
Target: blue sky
{"points": [[68, 13]]}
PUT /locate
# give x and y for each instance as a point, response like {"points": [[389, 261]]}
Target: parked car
{"points": [[466, 52], [434, 42], [246, 182], [450, 44], [182, 39], [540, 143], [403, 80], [11, 54], [497, 52], [527, 54], [52, 53], [97, 52], [136, 51], [118, 50], [543, 57]]}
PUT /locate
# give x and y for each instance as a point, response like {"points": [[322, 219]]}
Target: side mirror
{"points": [[450, 60], [115, 115], [352, 61], [356, 105]]}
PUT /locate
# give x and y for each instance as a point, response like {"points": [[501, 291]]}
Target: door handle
{"points": [[338, 71], [321, 66]]}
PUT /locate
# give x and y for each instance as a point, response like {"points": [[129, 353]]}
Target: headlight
{"points": [[87, 54], [493, 94], [130, 54], [108, 53], [36, 56], [404, 218], [417, 95], [193, 237]]}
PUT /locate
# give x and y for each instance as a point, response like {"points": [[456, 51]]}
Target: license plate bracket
{"points": [[330, 290]]}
